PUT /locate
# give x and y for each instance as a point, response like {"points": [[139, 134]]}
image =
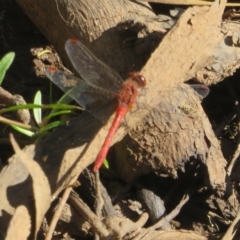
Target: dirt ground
{"points": [[26, 75], [205, 213]]}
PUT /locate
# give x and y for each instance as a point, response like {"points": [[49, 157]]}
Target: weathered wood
{"points": [[93, 24]]}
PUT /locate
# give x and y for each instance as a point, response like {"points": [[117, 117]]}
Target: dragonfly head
{"points": [[137, 77]]}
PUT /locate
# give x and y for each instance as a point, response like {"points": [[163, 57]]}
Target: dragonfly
{"points": [[101, 90]]}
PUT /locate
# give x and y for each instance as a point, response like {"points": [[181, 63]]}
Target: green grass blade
{"points": [[5, 63], [32, 106], [50, 126], [56, 114], [23, 131], [106, 164], [65, 99], [37, 112]]}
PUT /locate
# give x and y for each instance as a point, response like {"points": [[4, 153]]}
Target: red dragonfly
{"points": [[97, 75], [102, 87]]}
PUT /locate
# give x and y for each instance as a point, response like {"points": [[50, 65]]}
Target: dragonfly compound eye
{"points": [[142, 80], [136, 76]]}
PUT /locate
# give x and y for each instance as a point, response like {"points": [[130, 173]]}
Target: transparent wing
{"points": [[90, 97], [202, 90], [91, 69], [171, 110], [168, 133]]}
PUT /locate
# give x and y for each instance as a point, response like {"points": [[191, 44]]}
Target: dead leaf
{"points": [[19, 227], [41, 187]]}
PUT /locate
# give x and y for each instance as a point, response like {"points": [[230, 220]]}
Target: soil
{"points": [[26, 77]]}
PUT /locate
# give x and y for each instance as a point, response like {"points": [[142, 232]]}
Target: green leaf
{"points": [[65, 99], [5, 63], [32, 106], [56, 114], [37, 112], [50, 126], [106, 164], [23, 131]]}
